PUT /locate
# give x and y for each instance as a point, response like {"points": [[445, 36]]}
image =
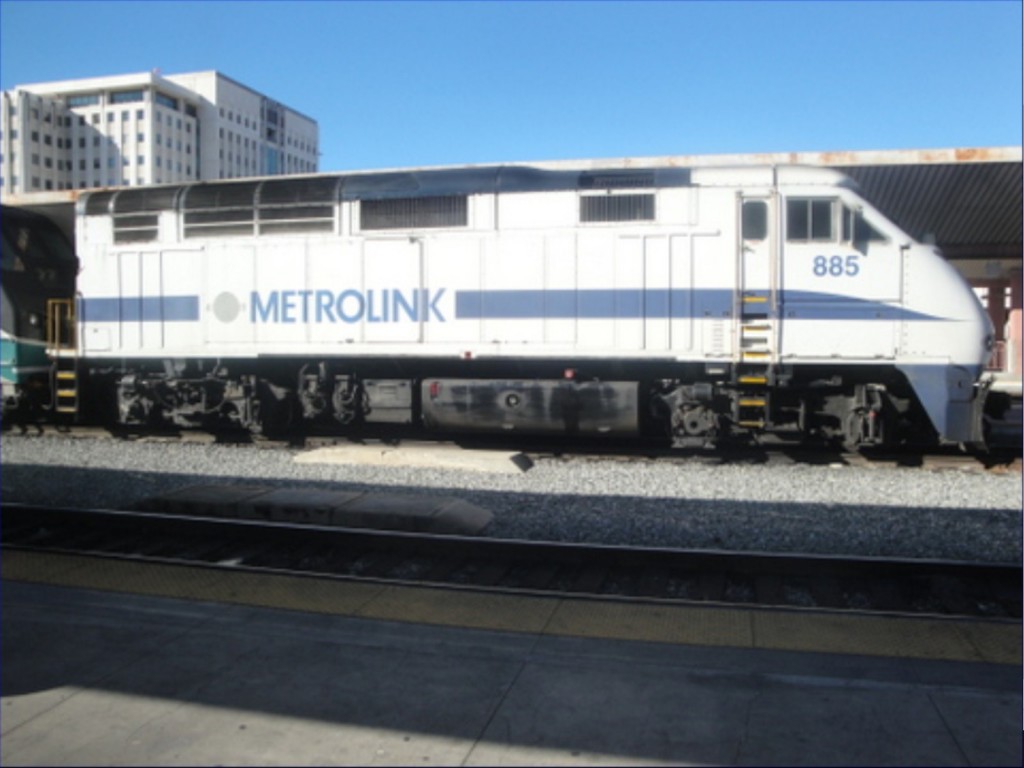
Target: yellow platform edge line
{"points": [[713, 626]]}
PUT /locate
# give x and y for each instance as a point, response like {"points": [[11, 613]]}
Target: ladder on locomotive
{"points": [[754, 369], [60, 340], [755, 308]]}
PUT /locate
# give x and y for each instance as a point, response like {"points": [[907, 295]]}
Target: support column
{"points": [[1013, 324]]}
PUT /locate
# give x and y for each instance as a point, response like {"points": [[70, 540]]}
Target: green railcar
{"points": [[37, 265]]}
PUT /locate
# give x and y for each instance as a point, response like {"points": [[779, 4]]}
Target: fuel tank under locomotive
{"points": [[543, 407]]}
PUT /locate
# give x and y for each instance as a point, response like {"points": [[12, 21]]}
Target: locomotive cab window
{"points": [[810, 219], [755, 220], [857, 230]]}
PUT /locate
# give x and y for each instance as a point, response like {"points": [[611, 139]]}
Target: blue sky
{"points": [[428, 83]]}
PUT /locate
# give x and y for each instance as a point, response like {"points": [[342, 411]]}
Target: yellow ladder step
{"points": [[752, 402], [753, 379], [66, 375], [751, 424]]}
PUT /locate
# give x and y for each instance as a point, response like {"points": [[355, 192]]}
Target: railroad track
{"points": [[839, 584]]}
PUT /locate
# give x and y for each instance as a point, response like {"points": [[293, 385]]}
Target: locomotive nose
{"points": [[946, 341]]}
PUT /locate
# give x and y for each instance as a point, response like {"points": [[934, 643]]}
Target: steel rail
{"points": [[881, 585]]}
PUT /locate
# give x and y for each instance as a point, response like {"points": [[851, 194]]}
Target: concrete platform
{"points": [[387, 511], [436, 455], [96, 677]]}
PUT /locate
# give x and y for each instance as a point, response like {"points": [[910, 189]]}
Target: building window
{"points": [[35, 136], [84, 100], [125, 97], [166, 101]]}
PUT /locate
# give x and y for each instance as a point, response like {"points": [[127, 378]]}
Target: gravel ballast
{"points": [[825, 509]]}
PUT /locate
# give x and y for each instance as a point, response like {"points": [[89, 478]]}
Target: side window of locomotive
{"points": [[755, 220], [810, 219], [857, 230]]}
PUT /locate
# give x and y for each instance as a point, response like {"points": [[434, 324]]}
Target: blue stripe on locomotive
{"points": [[631, 303], [124, 309]]}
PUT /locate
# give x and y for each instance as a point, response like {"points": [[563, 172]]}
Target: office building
{"points": [[133, 130]]}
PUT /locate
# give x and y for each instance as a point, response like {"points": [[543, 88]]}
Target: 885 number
{"points": [[836, 266]]}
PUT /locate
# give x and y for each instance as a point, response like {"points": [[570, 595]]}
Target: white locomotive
{"points": [[695, 303]]}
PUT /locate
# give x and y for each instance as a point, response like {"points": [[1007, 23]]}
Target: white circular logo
{"points": [[226, 307]]}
